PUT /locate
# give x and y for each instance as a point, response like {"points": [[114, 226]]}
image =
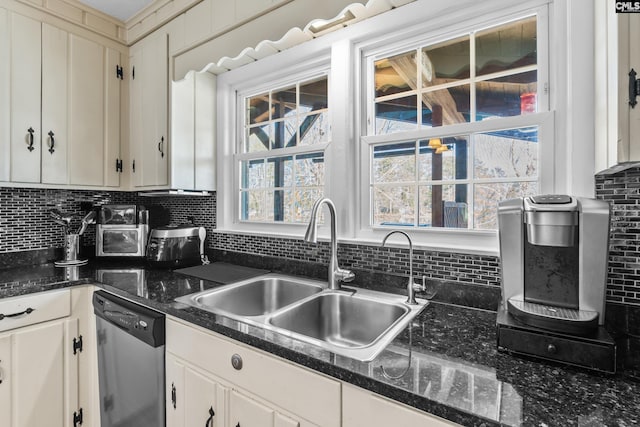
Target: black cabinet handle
{"points": [[53, 142], [161, 147], [31, 131], [27, 311], [209, 422], [134, 165], [173, 395]]}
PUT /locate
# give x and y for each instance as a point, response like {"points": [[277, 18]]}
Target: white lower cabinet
{"points": [[364, 408], [257, 390], [40, 374]]}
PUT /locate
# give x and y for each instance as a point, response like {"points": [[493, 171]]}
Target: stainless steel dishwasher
{"points": [[130, 362]]}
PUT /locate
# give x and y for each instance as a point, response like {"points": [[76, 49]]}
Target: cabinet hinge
{"points": [[118, 165], [77, 418], [119, 72], [77, 344], [634, 88]]}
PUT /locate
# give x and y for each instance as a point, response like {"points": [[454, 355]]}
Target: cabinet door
{"points": [[5, 104], [246, 412], [86, 139], [201, 403], [149, 104], [5, 380], [174, 391], [25, 80], [112, 118], [54, 105], [192, 398], [38, 376]]}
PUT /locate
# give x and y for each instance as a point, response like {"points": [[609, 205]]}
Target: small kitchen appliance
{"points": [[122, 231], [554, 253], [175, 246]]}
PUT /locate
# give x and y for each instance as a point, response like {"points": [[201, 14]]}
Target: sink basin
{"points": [[352, 322], [253, 297], [340, 319]]}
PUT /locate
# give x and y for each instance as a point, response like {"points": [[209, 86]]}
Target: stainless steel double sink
{"points": [[352, 322]]}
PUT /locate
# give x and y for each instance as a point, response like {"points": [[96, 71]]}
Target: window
{"points": [[470, 104], [281, 158]]}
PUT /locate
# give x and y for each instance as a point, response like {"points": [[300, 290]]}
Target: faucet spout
{"points": [[335, 274], [412, 287]]}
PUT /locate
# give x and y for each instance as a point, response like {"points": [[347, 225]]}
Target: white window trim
{"points": [[571, 101]]}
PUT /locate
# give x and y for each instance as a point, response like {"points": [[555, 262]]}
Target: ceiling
{"points": [[120, 9]]}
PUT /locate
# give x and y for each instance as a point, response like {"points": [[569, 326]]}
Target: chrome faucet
{"points": [[336, 274], [412, 287]]}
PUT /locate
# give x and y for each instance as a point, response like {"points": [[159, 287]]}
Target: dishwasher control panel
{"points": [[140, 321]]}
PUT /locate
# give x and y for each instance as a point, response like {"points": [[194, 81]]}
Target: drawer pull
{"points": [[236, 361], [210, 419], [27, 311], [552, 349]]}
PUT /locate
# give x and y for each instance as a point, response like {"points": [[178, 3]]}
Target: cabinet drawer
{"points": [[22, 311], [295, 389]]}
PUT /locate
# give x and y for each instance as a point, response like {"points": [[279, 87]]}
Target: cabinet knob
{"points": [[552, 349], [236, 361]]}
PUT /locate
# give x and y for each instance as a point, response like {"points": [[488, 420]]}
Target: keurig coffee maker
{"points": [[553, 252]]}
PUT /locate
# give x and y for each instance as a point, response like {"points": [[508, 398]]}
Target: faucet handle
{"points": [[345, 276]]}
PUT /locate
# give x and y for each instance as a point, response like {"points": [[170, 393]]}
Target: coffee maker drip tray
{"points": [[553, 318]]}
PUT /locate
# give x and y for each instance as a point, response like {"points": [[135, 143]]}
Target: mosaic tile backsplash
{"points": [[622, 191], [25, 223]]}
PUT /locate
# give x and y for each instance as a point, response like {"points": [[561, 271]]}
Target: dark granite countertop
{"points": [[448, 355]]}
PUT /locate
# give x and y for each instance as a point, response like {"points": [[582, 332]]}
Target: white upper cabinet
{"points": [[55, 135], [193, 132], [25, 78], [617, 122], [148, 104], [60, 105]]}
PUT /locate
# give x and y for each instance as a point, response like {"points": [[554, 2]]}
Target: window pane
{"points": [[253, 174], [285, 133], [394, 163], [252, 205], [506, 47], [394, 205], [279, 172], [258, 138], [310, 169], [298, 204], [487, 197], [507, 96], [314, 129], [396, 74], [443, 158], [258, 109], [506, 154], [283, 103], [444, 206], [445, 62], [396, 115], [313, 95], [446, 106]]}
